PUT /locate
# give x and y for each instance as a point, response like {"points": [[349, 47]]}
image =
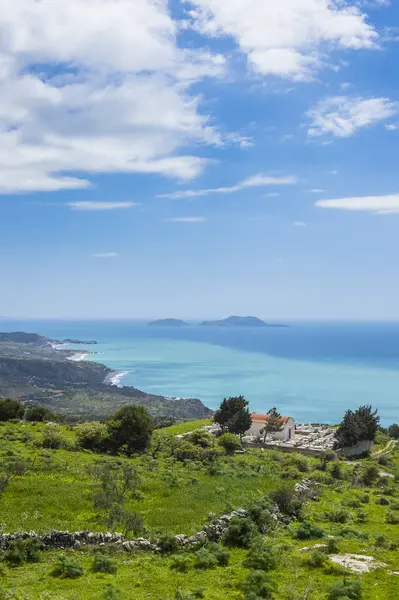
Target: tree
{"points": [[233, 415], [229, 442], [92, 435], [393, 431], [273, 423], [130, 430], [40, 414], [360, 425], [11, 409]]}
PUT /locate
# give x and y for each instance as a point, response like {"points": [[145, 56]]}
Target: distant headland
{"points": [[235, 321], [168, 323]]}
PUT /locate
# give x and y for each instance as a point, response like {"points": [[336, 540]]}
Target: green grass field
{"points": [[53, 489]]}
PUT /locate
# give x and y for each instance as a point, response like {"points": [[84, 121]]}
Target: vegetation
{"points": [[157, 494], [233, 415], [358, 426], [273, 423]]}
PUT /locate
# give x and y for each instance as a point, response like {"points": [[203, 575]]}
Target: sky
{"points": [[199, 158]]}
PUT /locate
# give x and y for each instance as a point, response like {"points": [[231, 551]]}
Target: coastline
{"points": [[78, 357], [115, 377]]}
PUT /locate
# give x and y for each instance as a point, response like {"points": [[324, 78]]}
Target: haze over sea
{"points": [[312, 371]]}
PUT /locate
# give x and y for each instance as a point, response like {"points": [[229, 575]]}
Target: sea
{"points": [[311, 371]]}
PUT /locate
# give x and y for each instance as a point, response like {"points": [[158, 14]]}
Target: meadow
{"points": [[357, 505]]}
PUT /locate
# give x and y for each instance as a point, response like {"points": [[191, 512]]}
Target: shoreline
{"points": [[115, 377], [78, 356]]}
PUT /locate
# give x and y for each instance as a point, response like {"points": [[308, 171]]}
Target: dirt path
{"points": [[390, 446]]}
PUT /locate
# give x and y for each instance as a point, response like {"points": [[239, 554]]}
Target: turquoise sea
{"points": [[312, 371]]}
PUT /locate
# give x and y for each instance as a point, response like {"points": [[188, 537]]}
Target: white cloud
{"points": [[250, 182], [316, 191], [105, 255], [377, 204], [272, 195], [97, 86], [391, 127], [94, 206], [288, 38], [345, 85], [342, 116], [299, 224], [186, 220]]}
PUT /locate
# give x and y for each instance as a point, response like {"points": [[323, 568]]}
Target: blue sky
{"points": [[199, 158]]}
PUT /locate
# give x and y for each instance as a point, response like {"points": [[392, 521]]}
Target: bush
{"points": [[392, 518], [103, 564], [22, 551], [201, 437], [111, 593], [261, 557], [393, 431], [337, 515], [383, 461], [67, 568], [349, 590], [240, 533], [287, 501], [52, 437], [204, 559], [306, 531], [39, 414], [222, 556], [336, 471], [130, 430], [383, 501], [229, 442], [11, 409], [181, 563], [352, 534], [317, 559], [92, 436], [185, 450], [258, 585], [167, 543], [370, 475], [332, 546], [261, 513]]}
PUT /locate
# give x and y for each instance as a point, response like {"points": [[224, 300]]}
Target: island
{"points": [[168, 323], [235, 321], [72, 341]]}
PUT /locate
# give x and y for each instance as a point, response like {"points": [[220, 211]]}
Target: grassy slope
{"points": [[56, 493]]}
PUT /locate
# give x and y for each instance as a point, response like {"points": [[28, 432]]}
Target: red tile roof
{"points": [[256, 418]]}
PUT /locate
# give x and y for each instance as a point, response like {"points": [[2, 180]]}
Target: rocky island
{"points": [[168, 323], [235, 321], [34, 369]]}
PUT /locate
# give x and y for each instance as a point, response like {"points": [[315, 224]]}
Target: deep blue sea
{"points": [[312, 371]]}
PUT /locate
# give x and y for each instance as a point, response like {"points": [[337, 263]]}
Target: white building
{"points": [[258, 425]]}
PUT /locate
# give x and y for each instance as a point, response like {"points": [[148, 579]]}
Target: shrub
{"points": [[92, 436], [337, 515], [261, 513], [393, 431], [222, 556], [39, 414], [21, 551], [383, 461], [306, 531], [240, 533], [103, 564], [352, 534], [204, 559], [349, 590], [180, 563], [67, 568], [201, 437], [370, 475], [52, 437], [381, 541], [287, 501], [336, 471], [229, 442], [261, 557], [332, 546], [258, 585], [167, 543], [11, 409], [383, 501], [111, 593], [130, 430], [317, 559], [184, 450], [4, 482], [392, 518]]}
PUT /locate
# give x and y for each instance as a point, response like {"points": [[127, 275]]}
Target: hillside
{"points": [[32, 370], [61, 489]]}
